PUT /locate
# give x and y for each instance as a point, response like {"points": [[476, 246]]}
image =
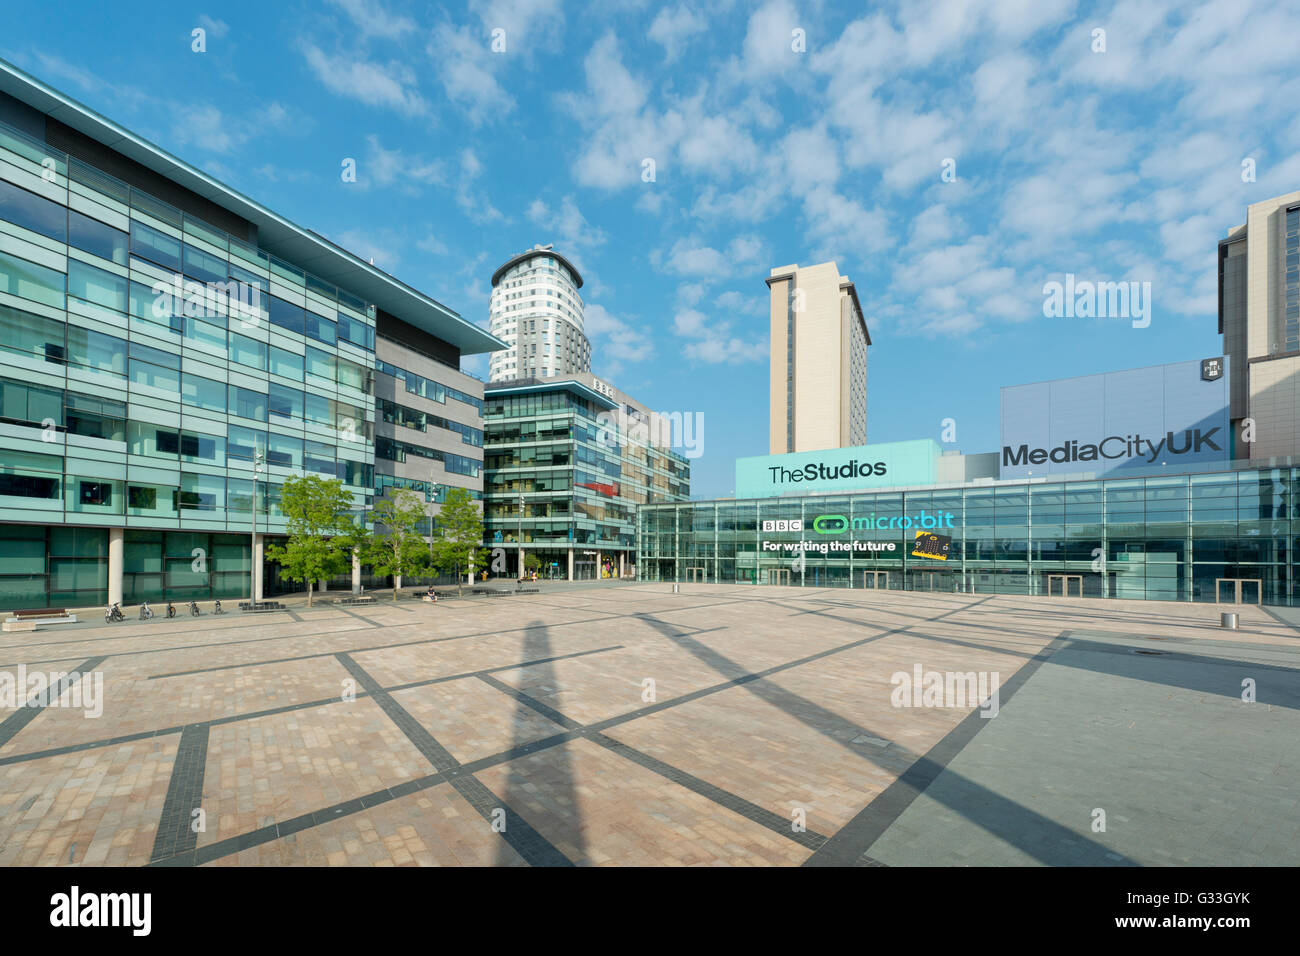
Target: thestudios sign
{"points": [[837, 469]]}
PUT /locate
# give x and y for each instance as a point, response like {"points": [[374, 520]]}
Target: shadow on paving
{"points": [[559, 768], [1034, 834]]}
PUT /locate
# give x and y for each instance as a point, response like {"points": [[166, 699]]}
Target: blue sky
{"points": [[1122, 164]]}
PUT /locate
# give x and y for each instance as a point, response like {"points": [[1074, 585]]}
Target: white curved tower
{"points": [[536, 309]]}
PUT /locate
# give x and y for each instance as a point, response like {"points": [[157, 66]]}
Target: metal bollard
{"points": [[1228, 619], [677, 588]]}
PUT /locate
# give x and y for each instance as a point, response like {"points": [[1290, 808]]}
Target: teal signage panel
{"points": [[887, 465]]}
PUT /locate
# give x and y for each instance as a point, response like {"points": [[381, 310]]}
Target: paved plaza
{"points": [[629, 725]]}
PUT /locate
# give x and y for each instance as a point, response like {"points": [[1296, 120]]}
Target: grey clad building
{"points": [[171, 351]]}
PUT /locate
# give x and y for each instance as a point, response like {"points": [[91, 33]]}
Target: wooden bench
{"points": [[29, 619]]}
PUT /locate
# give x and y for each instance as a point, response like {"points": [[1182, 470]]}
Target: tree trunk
{"points": [[309, 584], [397, 583]]}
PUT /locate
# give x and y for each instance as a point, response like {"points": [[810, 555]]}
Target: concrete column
{"points": [[259, 553], [356, 572], [570, 564], [324, 585], [621, 556], [116, 549]]}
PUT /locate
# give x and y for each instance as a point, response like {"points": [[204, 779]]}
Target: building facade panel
{"points": [[1190, 537]]}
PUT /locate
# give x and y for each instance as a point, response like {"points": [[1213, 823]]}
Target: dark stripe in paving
{"points": [[855, 838], [272, 711], [723, 798], [523, 839], [550, 713], [184, 795], [13, 725], [521, 750]]}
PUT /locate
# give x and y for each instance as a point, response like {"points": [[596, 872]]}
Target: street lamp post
{"points": [[521, 534], [433, 499], [258, 463]]}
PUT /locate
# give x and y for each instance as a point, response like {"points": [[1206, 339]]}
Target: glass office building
{"points": [[167, 360], [573, 451], [1230, 534]]}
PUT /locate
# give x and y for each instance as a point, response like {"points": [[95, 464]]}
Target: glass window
{"points": [[155, 368], [203, 392], [321, 364], [157, 247], [96, 351], [199, 331], [208, 449], [154, 441], [247, 351], [27, 280], [320, 328], [353, 375], [95, 417], [286, 402], [202, 493], [286, 364], [97, 238], [22, 402], [96, 285], [244, 443], [319, 409], [284, 451], [157, 307], [33, 212], [202, 266], [285, 314], [150, 499], [319, 458], [247, 403], [32, 335], [355, 331]]}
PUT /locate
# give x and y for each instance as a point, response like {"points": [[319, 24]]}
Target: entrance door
{"points": [[694, 575], [1237, 590], [778, 576], [875, 580], [930, 580], [1065, 585]]}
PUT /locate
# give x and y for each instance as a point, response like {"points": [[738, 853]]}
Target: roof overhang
{"points": [[568, 385], [276, 235], [513, 260]]}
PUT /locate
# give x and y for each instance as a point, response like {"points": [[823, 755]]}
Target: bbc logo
{"points": [[795, 524]]}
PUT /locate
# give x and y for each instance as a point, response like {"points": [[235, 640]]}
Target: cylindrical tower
{"points": [[536, 308]]}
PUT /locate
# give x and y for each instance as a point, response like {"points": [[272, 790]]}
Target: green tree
{"points": [[532, 562], [459, 544], [316, 512], [399, 550]]}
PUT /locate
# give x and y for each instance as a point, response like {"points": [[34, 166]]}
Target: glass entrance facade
{"points": [[1169, 538]]}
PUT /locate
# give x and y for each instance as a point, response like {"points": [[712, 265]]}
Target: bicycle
{"points": [[171, 609], [146, 612], [113, 613], [216, 609], [194, 609]]}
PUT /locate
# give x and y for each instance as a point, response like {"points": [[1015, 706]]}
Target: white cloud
{"points": [[464, 62], [374, 20], [391, 85], [673, 27]]}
